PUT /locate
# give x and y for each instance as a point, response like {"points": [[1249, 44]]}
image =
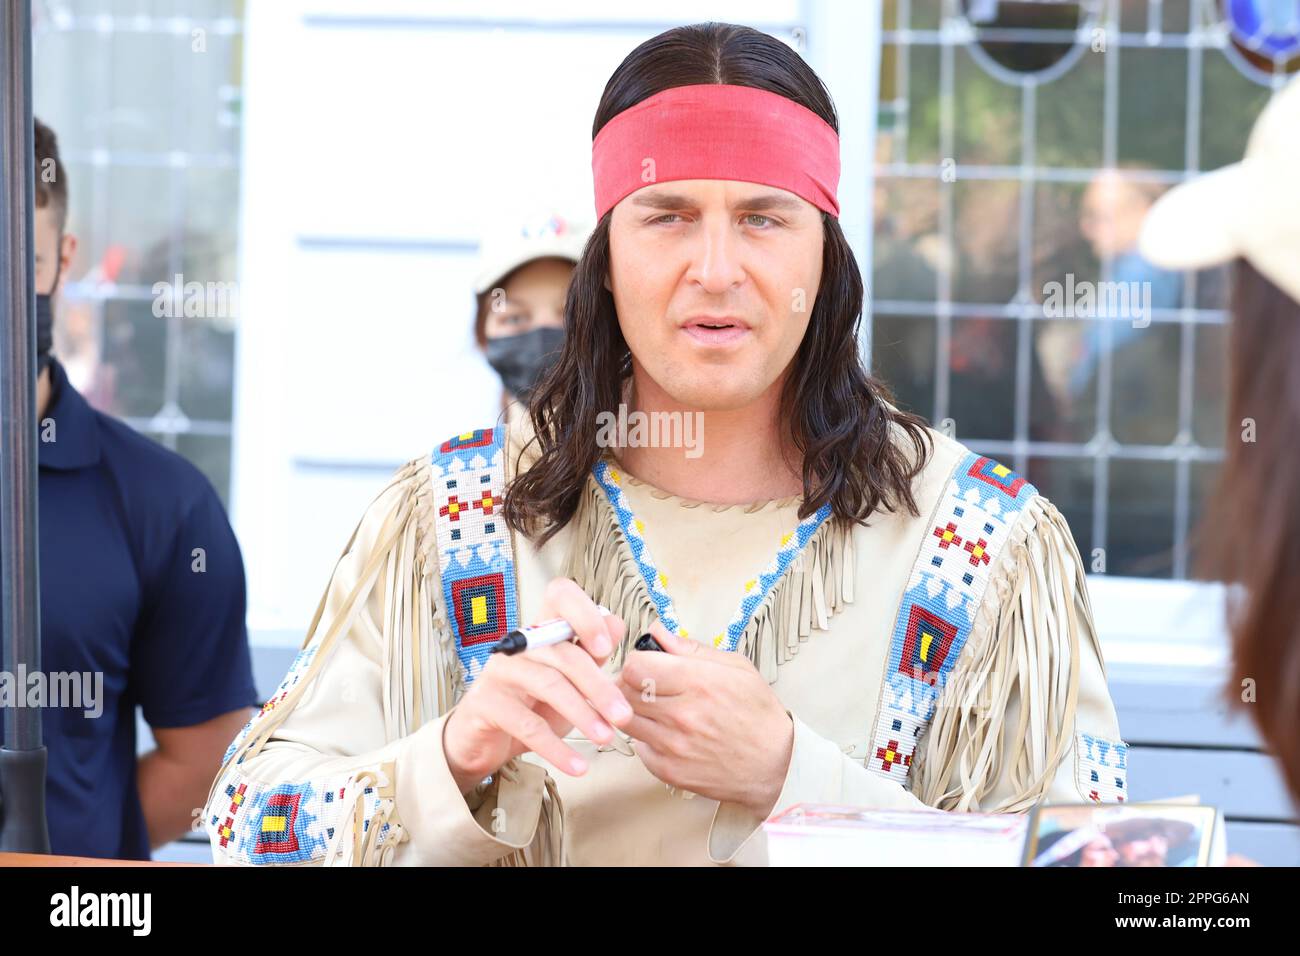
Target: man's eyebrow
{"points": [[662, 200], [781, 203], [679, 201]]}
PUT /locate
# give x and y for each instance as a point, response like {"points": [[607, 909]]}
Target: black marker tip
{"points": [[512, 643], [646, 642]]}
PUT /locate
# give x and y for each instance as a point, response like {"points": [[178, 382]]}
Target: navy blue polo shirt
{"points": [[142, 580]]}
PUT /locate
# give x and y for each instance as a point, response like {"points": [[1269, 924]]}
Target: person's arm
{"points": [[1032, 640], [173, 779], [190, 667], [345, 762]]}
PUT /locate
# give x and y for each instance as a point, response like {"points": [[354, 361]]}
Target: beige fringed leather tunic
{"points": [[981, 597]]}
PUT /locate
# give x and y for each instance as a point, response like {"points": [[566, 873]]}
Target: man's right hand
{"points": [[529, 701]]}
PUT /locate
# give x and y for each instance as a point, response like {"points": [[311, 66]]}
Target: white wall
{"points": [[381, 139]]}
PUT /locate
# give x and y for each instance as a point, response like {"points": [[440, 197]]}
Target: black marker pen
{"points": [[539, 635]]}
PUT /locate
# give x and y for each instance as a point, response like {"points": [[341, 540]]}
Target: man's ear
{"points": [[66, 254]]}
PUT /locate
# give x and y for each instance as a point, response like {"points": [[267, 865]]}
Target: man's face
{"points": [[48, 250], [1111, 215], [697, 252], [1151, 850]]}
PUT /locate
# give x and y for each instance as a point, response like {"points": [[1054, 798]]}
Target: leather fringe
{"points": [[421, 672], [1023, 646], [817, 584], [548, 847]]}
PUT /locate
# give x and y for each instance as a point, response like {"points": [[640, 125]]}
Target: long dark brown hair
{"points": [[840, 417], [1250, 537]]}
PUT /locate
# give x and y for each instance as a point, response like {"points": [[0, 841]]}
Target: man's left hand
{"points": [[707, 721]]}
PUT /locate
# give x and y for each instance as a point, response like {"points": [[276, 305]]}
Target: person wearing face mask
{"points": [[142, 598], [520, 288], [45, 310]]}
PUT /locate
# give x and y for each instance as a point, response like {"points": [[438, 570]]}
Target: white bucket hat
{"points": [[1249, 209], [553, 235]]}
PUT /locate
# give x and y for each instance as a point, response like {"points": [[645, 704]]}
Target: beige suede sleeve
{"points": [[345, 764]]}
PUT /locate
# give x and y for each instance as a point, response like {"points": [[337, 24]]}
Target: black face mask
{"points": [[521, 360], [45, 316]]}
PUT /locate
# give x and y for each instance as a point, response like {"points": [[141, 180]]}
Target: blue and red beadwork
{"points": [[478, 438], [971, 523], [475, 559], [1101, 768]]}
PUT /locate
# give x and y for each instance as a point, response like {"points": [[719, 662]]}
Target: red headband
{"points": [[717, 131]]}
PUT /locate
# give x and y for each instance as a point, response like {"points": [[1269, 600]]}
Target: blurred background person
{"points": [[1248, 214], [1113, 209], [142, 592], [1110, 218], [522, 281], [1090, 252]]}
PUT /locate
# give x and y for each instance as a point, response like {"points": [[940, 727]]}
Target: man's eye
{"points": [[671, 215], [754, 215]]}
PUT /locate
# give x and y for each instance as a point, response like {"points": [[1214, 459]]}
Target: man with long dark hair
{"points": [[813, 596]]}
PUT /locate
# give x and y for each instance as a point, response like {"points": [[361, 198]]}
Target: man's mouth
{"points": [[716, 331]]}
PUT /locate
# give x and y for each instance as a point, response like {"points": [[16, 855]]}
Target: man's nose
{"points": [[716, 259]]}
